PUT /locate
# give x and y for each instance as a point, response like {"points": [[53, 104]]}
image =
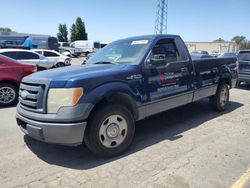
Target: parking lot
{"points": [[191, 146]]}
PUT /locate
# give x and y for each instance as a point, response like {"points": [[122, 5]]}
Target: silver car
{"points": [[28, 57], [54, 57]]}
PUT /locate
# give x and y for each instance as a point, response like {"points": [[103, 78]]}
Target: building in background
{"points": [[212, 47]]}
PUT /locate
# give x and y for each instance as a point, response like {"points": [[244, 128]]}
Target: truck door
{"points": [[168, 71]]}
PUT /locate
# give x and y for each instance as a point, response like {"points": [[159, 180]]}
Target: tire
{"points": [[41, 69], [11, 90], [238, 83], [220, 100], [110, 130], [86, 54], [60, 64]]}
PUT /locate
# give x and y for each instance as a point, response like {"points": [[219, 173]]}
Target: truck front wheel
{"points": [[110, 130], [220, 100]]}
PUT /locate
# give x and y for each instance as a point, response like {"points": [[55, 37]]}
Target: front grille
{"points": [[31, 96]]}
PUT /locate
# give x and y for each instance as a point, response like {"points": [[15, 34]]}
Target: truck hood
{"points": [[60, 76]]}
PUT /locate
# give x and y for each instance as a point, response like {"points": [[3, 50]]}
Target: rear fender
{"points": [[226, 74]]}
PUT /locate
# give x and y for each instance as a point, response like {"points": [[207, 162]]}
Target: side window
{"points": [[50, 54], [27, 55], [165, 51], [10, 54]]}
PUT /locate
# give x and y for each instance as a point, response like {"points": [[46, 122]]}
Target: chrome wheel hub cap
{"points": [[113, 131], [7, 95]]}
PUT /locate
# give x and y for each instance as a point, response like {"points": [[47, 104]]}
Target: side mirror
{"points": [[156, 60]]}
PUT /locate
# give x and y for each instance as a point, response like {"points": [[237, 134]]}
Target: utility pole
{"points": [[161, 17]]}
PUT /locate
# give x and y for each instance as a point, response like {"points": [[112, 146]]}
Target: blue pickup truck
{"points": [[99, 102]]}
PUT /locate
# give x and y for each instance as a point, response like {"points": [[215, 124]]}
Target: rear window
{"points": [[244, 55], [50, 54]]}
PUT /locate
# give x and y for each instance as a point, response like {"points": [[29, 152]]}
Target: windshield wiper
{"points": [[104, 62]]}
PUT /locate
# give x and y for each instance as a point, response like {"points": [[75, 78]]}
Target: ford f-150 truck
{"points": [[98, 103]]}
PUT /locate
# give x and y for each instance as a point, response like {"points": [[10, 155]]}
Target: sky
{"points": [[109, 20]]}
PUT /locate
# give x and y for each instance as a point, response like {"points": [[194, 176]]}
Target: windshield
{"points": [[121, 52], [245, 56]]}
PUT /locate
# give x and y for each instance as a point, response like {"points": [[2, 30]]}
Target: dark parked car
{"points": [[127, 81], [244, 66], [228, 54], [200, 56], [11, 74], [200, 52]]}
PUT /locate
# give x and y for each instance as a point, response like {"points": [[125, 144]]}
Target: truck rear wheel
{"points": [[220, 100], [110, 130]]}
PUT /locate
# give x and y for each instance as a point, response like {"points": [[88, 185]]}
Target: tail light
{"points": [[32, 69]]}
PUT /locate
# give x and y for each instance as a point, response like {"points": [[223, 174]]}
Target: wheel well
{"points": [[9, 82], [121, 99], [226, 80]]}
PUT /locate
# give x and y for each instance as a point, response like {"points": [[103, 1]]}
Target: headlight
{"points": [[61, 97]]}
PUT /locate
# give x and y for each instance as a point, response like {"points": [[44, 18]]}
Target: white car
{"points": [[28, 57], [54, 57]]}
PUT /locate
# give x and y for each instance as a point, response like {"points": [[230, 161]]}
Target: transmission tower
{"points": [[161, 17]]}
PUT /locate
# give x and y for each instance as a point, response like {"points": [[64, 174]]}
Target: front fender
{"points": [[107, 89]]}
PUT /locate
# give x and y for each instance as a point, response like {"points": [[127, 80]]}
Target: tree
{"points": [[5, 30], [238, 39], [80, 30], [241, 41], [248, 45], [62, 35], [219, 40], [73, 33]]}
